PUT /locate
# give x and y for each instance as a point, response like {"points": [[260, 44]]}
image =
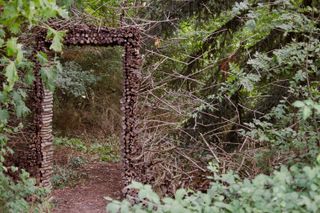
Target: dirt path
{"points": [[104, 179]]}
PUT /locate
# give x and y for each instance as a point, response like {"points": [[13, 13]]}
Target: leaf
{"points": [[306, 113], [285, 26], [298, 104], [12, 47], [317, 108], [113, 207], [20, 56], [11, 74], [57, 37], [15, 27], [251, 24], [29, 77], [4, 115], [42, 57], [15, 49], [318, 159], [2, 32], [48, 75], [63, 13], [135, 185], [14, 169], [20, 107], [180, 193], [57, 43]]}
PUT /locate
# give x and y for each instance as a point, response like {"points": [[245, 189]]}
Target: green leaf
{"points": [[317, 108], [20, 56], [42, 57], [180, 193], [20, 107], [113, 207], [2, 32], [318, 159], [298, 104], [12, 47], [63, 13], [306, 112], [14, 169], [15, 27], [135, 185], [11, 74], [57, 38], [251, 24], [57, 43], [48, 75], [29, 77], [3, 97], [4, 115]]}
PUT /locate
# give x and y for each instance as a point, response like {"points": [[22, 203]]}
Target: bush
{"points": [[108, 150], [22, 196], [296, 189], [65, 176]]}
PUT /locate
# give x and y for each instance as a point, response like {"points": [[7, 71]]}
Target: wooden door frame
{"points": [[42, 99]]}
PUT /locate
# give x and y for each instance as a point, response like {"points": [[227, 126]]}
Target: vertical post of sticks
{"points": [[46, 136], [41, 146]]}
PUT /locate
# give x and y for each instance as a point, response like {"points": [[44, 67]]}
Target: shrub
{"points": [[16, 74], [66, 176], [296, 189], [20, 196]]}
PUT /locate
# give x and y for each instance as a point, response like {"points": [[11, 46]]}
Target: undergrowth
{"points": [[22, 196], [66, 176], [294, 189], [82, 152], [106, 150]]}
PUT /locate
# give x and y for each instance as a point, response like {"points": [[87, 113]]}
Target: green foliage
{"points": [[68, 175], [296, 189], [73, 143], [73, 80], [307, 107], [17, 16], [17, 13], [14, 196], [107, 150], [76, 162], [275, 73], [57, 38], [263, 103], [282, 125]]}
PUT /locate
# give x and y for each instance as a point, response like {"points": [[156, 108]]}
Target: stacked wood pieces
{"points": [[131, 148], [132, 153], [46, 138]]}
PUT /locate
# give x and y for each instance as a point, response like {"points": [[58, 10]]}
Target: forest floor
{"points": [[86, 195]]}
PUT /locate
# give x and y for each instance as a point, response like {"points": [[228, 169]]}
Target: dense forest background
{"points": [[230, 90]]}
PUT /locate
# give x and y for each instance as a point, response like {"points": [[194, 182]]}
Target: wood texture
{"points": [[41, 156]]}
